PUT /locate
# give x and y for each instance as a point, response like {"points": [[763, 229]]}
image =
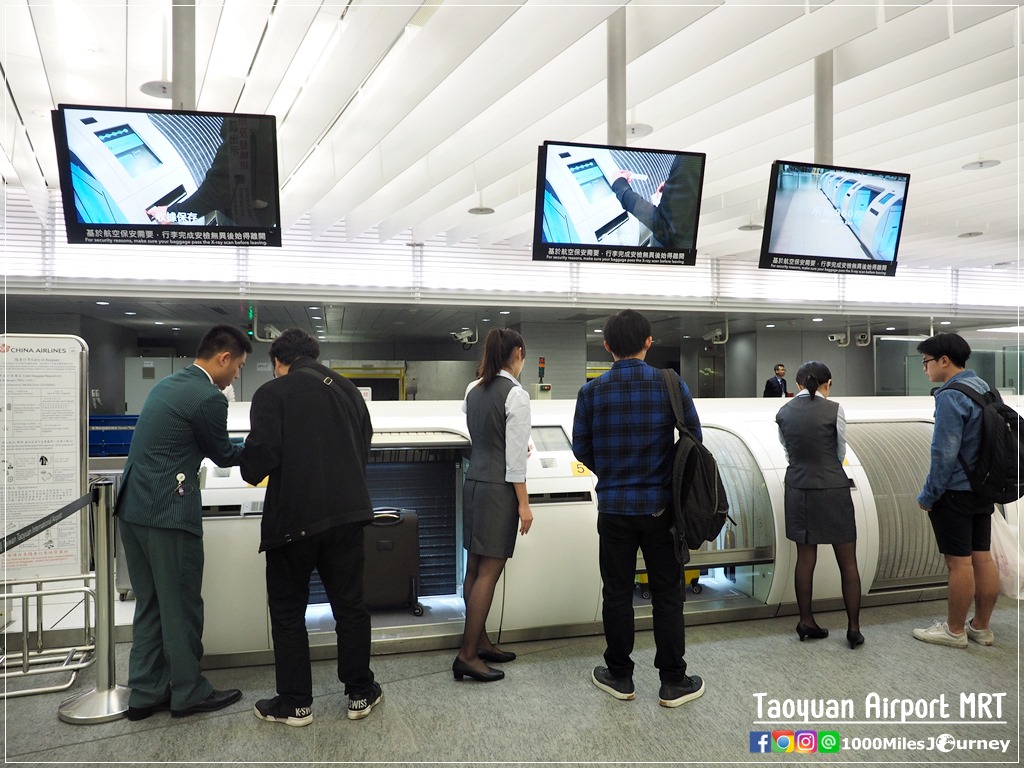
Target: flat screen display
{"points": [[162, 177], [617, 204], [824, 218]]}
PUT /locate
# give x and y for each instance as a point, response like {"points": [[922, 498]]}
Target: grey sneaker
{"points": [[980, 636], [359, 705], [274, 711], [674, 694], [939, 634], [619, 687]]}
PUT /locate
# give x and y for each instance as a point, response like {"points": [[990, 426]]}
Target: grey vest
{"points": [[808, 426], [485, 415]]}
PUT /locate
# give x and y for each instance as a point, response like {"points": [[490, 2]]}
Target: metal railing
{"points": [[34, 658]]}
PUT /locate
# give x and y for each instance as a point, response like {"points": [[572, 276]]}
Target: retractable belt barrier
{"points": [[34, 529]]}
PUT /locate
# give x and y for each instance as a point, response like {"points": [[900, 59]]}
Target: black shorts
{"points": [[962, 523]]}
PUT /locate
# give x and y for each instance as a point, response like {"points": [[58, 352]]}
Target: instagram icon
{"points": [[805, 741]]}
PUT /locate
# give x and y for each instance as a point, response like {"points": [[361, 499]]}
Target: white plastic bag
{"points": [[1008, 556]]}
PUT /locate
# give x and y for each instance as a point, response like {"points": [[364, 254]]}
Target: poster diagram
{"points": [[43, 429]]}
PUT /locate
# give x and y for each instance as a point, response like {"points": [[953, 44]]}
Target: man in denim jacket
{"points": [[961, 521]]}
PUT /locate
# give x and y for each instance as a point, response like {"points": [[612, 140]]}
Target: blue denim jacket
{"points": [[957, 431]]}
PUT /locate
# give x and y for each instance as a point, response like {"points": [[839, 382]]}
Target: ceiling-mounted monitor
{"points": [[163, 177], [617, 204], [824, 218]]}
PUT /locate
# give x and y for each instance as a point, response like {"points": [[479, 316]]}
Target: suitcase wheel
{"points": [[417, 610]]}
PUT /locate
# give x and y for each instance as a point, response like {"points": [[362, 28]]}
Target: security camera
{"points": [[837, 337], [862, 338], [462, 336], [271, 331], [713, 335]]}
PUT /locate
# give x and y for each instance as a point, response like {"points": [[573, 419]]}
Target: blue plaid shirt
{"points": [[624, 431]]}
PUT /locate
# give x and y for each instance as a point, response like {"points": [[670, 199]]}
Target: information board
{"points": [[43, 380]]}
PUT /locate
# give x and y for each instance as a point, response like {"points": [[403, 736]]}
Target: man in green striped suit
{"points": [[161, 523]]}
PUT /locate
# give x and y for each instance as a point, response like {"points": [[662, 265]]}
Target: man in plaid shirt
{"points": [[624, 431]]}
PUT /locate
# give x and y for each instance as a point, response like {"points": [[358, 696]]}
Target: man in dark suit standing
{"points": [[310, 433], [160, 516], [776, 385]]}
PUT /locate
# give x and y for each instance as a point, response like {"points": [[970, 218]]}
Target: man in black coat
{"points": [[776, 385], [310, 432]]}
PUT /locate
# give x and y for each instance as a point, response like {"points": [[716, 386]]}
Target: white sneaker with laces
{"points": [[980, 636], [939, 634]]}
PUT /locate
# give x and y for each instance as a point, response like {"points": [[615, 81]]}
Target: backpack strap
{"points": [[674, 396], [981, 400]]}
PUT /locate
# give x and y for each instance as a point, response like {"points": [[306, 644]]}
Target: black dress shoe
{"points": [[141, 713], [496, 657], [854, 638], [213, 702], [461, 669], [815, 633]]}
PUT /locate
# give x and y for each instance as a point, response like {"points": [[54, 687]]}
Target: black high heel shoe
{"points": [[497, 657], [815, 633], [461, 669], [854, 637]]}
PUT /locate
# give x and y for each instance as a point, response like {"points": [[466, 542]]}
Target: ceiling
{"points": [[399, 118]]}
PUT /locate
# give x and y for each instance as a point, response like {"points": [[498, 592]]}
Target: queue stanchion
{"points": [[108, 700]]}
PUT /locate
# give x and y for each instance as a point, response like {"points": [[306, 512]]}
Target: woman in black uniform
{"points": [[819, 507], [494, 499]]}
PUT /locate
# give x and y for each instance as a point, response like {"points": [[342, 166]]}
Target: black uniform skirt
{"points": [[820, 516], [490, 518]]}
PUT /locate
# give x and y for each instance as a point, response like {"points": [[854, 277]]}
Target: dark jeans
{"points": [[337, 554], [621, 537]]}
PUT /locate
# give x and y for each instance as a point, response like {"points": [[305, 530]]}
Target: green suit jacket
{"points": [[184, 419]]}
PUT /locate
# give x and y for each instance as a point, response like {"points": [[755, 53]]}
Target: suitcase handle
{"points": [[388, 516]]}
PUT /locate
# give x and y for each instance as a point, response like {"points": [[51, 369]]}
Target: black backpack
{"points": [[699, 503], [998, 475]]}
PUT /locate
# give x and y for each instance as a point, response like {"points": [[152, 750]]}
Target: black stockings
{"points": [[846, 557]]}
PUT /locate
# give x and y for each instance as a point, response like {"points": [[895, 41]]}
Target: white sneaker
{"points": [[939, 634], [980, 636]]}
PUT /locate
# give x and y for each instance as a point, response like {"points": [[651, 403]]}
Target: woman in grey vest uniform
{"points": [[819, 507], [494, 499]]}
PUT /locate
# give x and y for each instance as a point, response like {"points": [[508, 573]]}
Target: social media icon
{"points": [[805, 741], [760, 741], [782, 741], [828, 741]]}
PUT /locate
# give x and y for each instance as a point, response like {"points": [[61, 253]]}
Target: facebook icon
{"points": [[760, 741]]}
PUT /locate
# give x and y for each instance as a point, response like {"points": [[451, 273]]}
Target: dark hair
{"points": [[779, 365], [293, 344], [812, 375], [951, 345], [223, 338], [499, 344], [626, 333]]}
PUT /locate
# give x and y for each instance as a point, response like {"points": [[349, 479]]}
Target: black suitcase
{"points": [[392, 569]]}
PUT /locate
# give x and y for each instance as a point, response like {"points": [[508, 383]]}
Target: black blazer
{"points": [[772, 388], [313, 441]]}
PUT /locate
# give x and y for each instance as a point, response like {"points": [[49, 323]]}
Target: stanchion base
{"points": [[95, 706]]}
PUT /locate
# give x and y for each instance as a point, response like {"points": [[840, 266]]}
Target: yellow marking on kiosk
{"points": [[579, 469]]}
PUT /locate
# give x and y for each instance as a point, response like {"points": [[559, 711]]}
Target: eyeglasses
{"points": [[926, 360]]}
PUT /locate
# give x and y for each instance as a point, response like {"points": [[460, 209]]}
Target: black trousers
{"points": [[337, 554], [621, 536]]}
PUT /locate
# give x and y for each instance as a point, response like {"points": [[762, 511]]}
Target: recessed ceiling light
{"points": [[944, 322], [598, 330], [1007, 329], [131, 313], [816, 319], [970, 234], [749, 227], [485, 319], [312, 307], [175, 329], [317, 317], [638, 130], [770, 325], [158, 322], [891, 328], [505, 312], [103, 303], [464, 328], [977, 165]]}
